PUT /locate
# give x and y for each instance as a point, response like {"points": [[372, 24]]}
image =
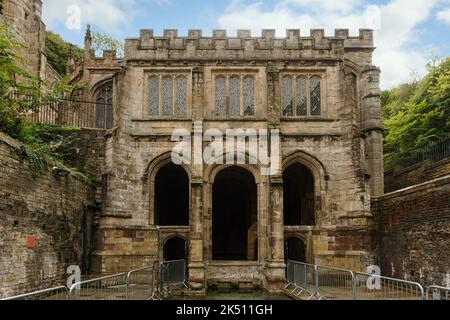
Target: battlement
{"points": [[243, 44]]}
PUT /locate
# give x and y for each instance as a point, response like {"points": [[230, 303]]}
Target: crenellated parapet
{"points": [[244, 45]]}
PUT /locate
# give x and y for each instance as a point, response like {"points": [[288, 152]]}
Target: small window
{"points": [[302, 97], [221, 96], [181, 96], [315, 96], [287, 96], [249, 96], [104, 108], [235, 96], [153, 102], [167, 96]]}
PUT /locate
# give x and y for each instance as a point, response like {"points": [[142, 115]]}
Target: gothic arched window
{"points": [[249, 96], [221, 96], [153, 101], [301, 97], [235, 96], [104, 117], [167, 96], [287, 96], [315, 96], [181, 96]]}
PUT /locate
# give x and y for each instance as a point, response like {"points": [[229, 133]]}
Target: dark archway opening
{"points": [[295, 249], [175, 249], [234, 214], [298, 196], [172, 196]]}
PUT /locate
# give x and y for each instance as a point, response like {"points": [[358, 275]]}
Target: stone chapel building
{"points": [[231, 223]]}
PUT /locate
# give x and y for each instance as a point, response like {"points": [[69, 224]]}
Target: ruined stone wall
{"points": [[413, 232], [398, 178], [41, 225]]}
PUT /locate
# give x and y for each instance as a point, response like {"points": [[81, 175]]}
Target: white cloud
{"points": [[113, 16], [444, 15], [395, 33]]}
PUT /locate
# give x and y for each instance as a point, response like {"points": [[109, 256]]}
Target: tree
{"points": [[102, 42], [57, 51], [418, 113]]}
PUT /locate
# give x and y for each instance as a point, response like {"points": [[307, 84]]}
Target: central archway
{"points": [[234, 215]]}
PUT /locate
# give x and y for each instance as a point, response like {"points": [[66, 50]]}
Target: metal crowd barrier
{"points": [[338, 284], [141, 284], [56, 293], [301, 279], [173, 274], [375, 287], [334, 283], [438, 293], [105, 288]]}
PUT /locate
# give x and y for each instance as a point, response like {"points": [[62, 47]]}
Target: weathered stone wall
{"points": [[396, 179], [44, 208], [413, 232], [342, 148]]}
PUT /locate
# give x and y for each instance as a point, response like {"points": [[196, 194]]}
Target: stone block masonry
{"points": [[413, 232], [41, 223]]}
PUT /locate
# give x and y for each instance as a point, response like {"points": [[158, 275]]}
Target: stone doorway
{"points": [[295, 249], [234, 215], [175, 248]]}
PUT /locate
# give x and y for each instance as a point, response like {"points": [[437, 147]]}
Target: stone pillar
{"points": [[276, 265], [372, 127], [196, 262]]}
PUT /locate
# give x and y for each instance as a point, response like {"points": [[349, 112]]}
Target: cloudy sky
{"points": [[408, 33]]}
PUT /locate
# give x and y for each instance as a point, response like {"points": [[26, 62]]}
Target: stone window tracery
{"points": [[235, 95], [301, 95], [168, 95], [104, 108]]}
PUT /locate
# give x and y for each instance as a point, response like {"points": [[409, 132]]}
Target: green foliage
{"points": [[102, 42], [13, 78], [57, 51], [418, 112], [21, 93]]}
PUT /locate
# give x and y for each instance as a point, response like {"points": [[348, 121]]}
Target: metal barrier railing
{"points": [[106, 288], [173, 273], [140, 284], [339, 284], [334, 283], [375, 287], [302, 278], [438, 293], [56, 293]]}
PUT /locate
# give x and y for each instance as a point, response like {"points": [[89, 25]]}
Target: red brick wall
{"points": [[396, 179], [413, 232]]}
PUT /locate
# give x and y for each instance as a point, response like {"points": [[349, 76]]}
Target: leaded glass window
{"points": [[221, 96], [104, 108], [181, 96], [287, 96], [301, 97], [249, 96], [235, 96], [315, 96], [167, 96], [153, 89]]}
